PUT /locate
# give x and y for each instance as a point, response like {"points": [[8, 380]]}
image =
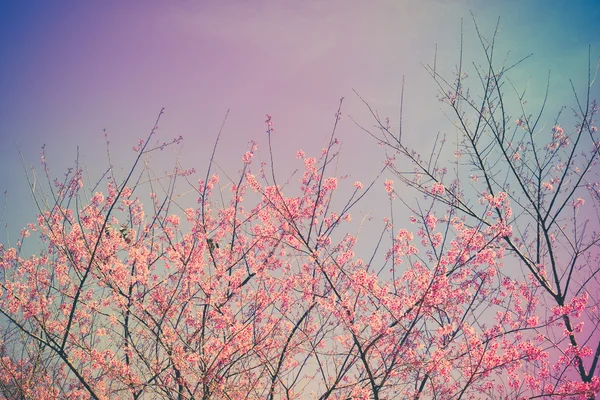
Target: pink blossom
{"points": [[438, 189], [389, 186], [330, 184], [431, 221], [270, 124], [247, 157], [557, 132], [579, 202]]}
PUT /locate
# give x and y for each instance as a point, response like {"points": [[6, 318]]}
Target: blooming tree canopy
{"points": [[489, 291]]}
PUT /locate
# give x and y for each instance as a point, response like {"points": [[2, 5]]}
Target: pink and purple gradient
{"points": [[71, 69]]}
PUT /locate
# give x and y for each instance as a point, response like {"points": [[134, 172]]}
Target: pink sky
{"points": [[71, 69]]}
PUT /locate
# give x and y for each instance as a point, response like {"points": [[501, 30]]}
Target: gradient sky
{"points": [[70, 69]]}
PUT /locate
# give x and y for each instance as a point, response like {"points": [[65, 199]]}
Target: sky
{"points": [[71, 70]]}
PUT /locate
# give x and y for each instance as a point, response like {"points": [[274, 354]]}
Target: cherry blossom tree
{"points": [[489, 291], [532, 185]]}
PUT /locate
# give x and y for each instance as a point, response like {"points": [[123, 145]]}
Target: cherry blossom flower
{"points": [[389, 186], [438, 189]]}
